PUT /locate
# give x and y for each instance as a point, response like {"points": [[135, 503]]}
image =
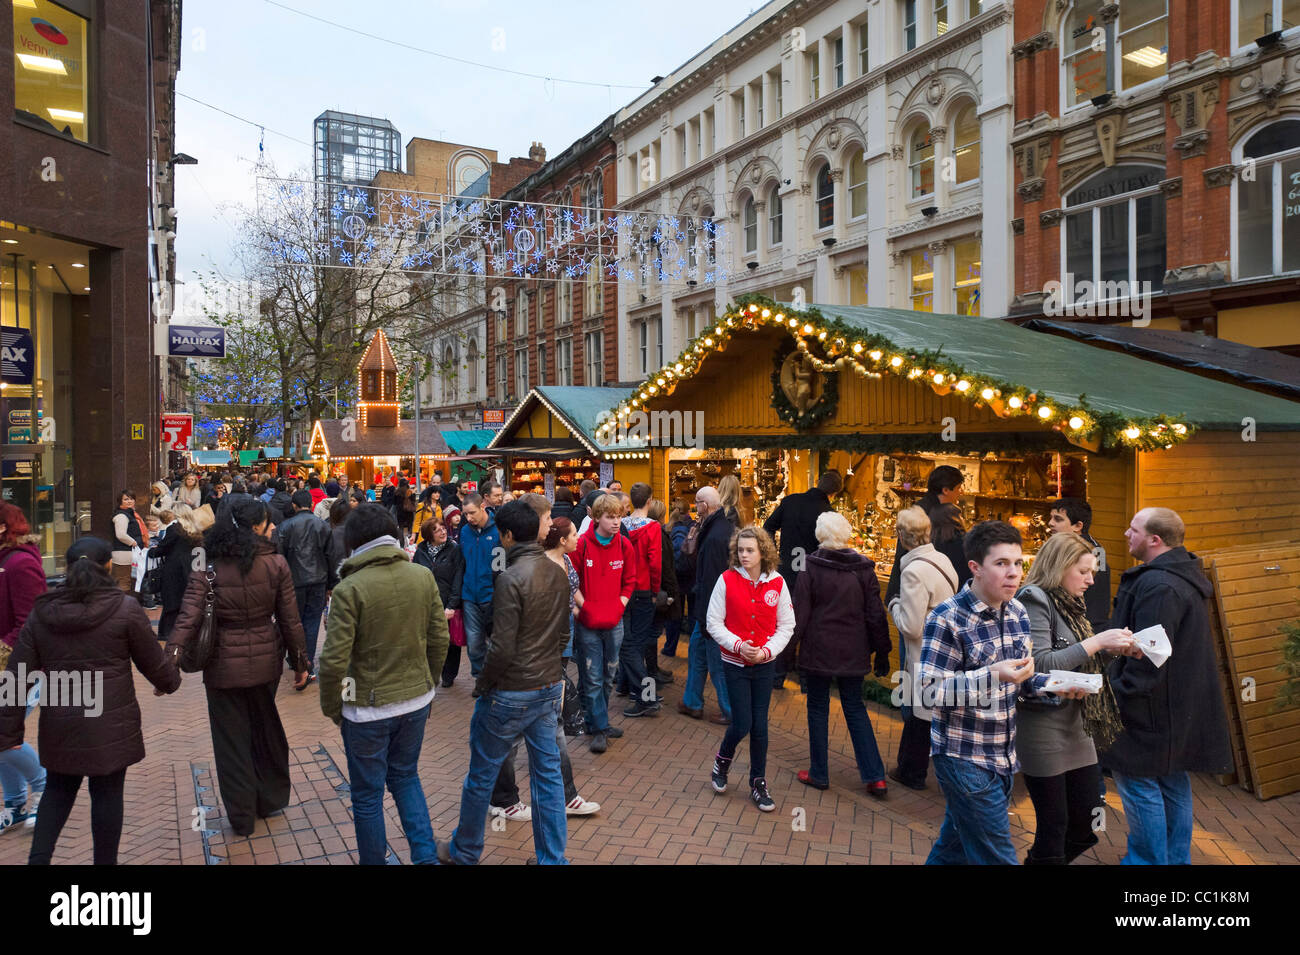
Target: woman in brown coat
{"points": [[256, 617], [84, 636]]}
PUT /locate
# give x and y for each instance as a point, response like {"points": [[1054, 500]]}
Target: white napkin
{"points": [[1155, 644], [1060, 681]]}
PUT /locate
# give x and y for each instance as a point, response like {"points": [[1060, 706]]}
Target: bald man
{"points": [[713, 541]]}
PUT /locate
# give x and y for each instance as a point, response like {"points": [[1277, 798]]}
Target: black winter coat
{"points": [[796, 518], [713, 544], [103, 637], [304, 542], [281, 505], [1175, 719], [839, 619], [448, 567], [176, 551]]}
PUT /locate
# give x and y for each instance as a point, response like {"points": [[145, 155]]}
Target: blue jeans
{"points": [[638, 622], [597, 665], [750, 689], [501, 717], [478, 627], [870, 767], [311, 604], [704, 659], [388, 751], [1159, 812], [975, 827], [21, 774]]}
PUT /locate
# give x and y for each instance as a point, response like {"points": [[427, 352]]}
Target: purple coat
{"points": [[22, 580], [839, 619]]}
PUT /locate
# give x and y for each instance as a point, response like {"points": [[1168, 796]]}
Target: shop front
{"points": [[549, 441], [886, 395]]}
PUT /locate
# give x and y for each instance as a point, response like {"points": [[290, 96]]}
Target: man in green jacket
{"points": [[386, 638]]}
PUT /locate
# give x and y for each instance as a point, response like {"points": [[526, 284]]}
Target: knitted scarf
{"points": [[1100, 711]]}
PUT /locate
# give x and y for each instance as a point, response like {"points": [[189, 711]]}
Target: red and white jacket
{"points": [[758, 611]]}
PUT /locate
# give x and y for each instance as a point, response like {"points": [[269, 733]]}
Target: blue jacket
{"points": [[478, 547]]}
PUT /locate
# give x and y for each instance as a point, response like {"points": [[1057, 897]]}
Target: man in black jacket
{"points": [[1073, 514], [518, 691], [281, 504], [304, 540], [796, 520], [1175, 720], [713, 545]]}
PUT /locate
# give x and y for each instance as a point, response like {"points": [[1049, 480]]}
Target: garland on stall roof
{"points": [[823, 408], [1000, 443], [871, 355]]}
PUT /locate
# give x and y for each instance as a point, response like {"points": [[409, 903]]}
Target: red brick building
{"points": [[1159, 141], [557, 326]]}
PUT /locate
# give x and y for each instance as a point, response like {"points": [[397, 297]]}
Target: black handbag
{"points": [[197, 652]]}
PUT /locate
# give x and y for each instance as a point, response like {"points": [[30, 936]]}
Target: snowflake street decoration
{"points": [[364, 227]]}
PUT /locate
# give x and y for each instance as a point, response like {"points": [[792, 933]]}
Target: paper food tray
{"points": [[1059, 681], [1155, 644]]}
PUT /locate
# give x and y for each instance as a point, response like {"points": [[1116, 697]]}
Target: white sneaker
{"points": [[581, 807], [33, 804], [518, 812]]}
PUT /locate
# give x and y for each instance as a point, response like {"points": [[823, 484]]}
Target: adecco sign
{"points": [[196, 341]]}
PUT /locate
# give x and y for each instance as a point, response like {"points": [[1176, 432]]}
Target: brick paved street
{"points": [[657, 807]]}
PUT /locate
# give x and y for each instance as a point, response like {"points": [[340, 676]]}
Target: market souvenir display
{"points": [[1065, 681], [1155, 644]]}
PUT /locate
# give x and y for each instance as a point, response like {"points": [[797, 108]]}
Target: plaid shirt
{"points": [[974, 715]]}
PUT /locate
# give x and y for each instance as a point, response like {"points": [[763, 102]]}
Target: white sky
{"points": [[281, 70]]}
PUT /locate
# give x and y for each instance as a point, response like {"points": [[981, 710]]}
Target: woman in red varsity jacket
{"points": [[751, 617]]}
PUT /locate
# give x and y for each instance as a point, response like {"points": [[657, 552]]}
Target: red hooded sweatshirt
{"points": [[605, 574], [647, 537]]}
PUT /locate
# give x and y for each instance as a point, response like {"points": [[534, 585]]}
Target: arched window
{"points": [[775, 228], [1268, 202], [1103, 56], [1115, 234], [966, 144], [857, 186], [920, 162], [751, 226], [825, 198], [449, 376], [471, 369]]}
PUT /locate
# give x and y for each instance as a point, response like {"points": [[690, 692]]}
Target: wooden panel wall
{"points": [[1111, 494], [1226, 490]]}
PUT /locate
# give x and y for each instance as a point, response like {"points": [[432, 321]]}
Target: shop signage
{"points": [[17, 435], [21, 417], [137, 432], [177, 430], [494, 418], [203, 341], [606, 473], [17, 356], [548, 484]]}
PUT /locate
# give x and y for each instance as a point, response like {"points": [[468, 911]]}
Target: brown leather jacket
{"points": [[530, 623], [257, 617]]}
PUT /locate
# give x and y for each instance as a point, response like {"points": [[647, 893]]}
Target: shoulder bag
{"points": [[197, 652]]}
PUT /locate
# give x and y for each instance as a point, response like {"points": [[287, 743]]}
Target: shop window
{"points": [[966, 144], [1101, 57], [921, 162], [1115, 232], [1257, 18], [51, 66], [825, 198], [1268, 203], [857, 186], [922, 265], [909, 25], [751, 226], [774, 216], [966, 277]]}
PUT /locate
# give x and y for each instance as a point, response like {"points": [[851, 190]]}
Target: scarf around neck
{"points": [[1100, 710]]}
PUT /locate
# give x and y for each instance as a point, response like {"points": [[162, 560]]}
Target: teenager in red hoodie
{"points": [[752, 618], [638, 621], [606, 564]]}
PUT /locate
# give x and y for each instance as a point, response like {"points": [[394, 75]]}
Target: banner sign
{"points": [[17, 356], [199, 341], [177, 431]]}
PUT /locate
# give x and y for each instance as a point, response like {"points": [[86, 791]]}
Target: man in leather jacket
{"points": [[518, 691], [303, 540]]}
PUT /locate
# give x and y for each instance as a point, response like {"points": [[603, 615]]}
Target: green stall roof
{"points": [[462, 441]]}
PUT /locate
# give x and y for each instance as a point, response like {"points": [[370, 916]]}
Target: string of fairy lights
{"points": [[847, 349]]}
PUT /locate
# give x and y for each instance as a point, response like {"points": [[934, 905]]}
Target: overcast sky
{"points": [[280, 70]]}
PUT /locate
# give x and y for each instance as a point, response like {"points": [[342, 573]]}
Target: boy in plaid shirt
{"points": [[975, 656]]}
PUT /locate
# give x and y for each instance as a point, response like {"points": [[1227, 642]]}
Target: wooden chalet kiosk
{"points": [[377, 439]]}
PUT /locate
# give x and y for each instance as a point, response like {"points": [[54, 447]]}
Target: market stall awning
{"points": [[210, 458], [1260, 368], [330, 440], [578, 409], [467, 441], [1089, 394]]}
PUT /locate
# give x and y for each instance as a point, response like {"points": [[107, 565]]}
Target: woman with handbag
{"points": [[839, 625], [175, 553], [1057, 741], [22, 581], [87, 626], [244, 604], [438, 552], [129, 535], [926, 579]]}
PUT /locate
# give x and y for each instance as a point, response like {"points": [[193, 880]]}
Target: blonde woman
{"points": [[927, 578], [751, 618], [189, 492], [1057, 741], [176, 552], [729, 495]]}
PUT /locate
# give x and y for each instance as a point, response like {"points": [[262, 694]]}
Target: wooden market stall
{"points": [[552, 432]]}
